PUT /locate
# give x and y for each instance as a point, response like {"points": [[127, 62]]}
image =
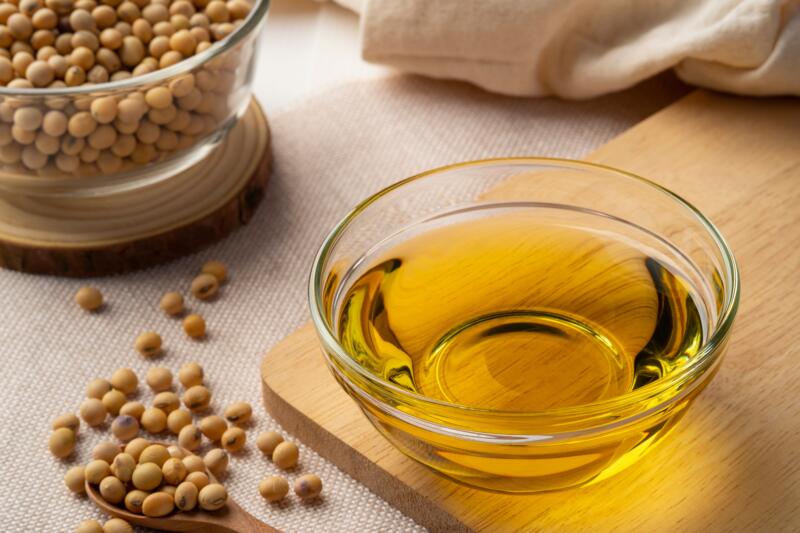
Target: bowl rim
{"points": [[698, 364], [251, 23]]}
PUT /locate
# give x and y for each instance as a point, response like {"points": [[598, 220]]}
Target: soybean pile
{"points": [[47, 44]]}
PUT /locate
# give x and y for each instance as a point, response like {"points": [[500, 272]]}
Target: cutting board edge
{"points": [[348, 459]]}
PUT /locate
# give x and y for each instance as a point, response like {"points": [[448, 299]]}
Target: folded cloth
{"points": [[583, 48]]}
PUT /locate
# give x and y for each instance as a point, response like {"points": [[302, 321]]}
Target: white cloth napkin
{"points": [[583, 48]]}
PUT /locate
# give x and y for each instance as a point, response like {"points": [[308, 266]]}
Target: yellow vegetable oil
{"points": [[515, 310]]}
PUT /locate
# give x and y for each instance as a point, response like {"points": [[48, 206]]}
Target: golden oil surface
{"points": [[516, 312]]}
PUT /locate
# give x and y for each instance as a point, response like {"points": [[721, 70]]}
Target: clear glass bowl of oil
{"points": [[524, 324]]}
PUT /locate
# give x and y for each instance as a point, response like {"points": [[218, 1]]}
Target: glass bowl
{"points": [[209, 91], [521, 451]]}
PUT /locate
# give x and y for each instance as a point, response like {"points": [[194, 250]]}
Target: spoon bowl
{"points": [[230, 519]]}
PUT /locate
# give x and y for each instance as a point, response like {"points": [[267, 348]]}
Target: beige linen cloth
{"points": [[330, 152], [583, 48]]}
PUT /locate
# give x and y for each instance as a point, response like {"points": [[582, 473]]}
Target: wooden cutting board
{"points": [[733, 463]]}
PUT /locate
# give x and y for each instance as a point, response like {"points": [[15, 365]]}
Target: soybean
{"points": [[154, 420], [40, 73], [213, 427], [285, 455], [125, 380], [194, 326], [213, 497], [112, 489], [267, 441], [89, 526], [148, 344], [134, 500], [190, 374], [155, 453], [88, 298], [117, 525], [123, 466], [308, 486], [97, 388], [193, 463], [216, 461], [197, 398], [178, 419], [174, 471], [62, 442], [167, 401], [189, 437], [198, 479], [75, 479], [239, 413], [176, 451], [147, 476], [233, 440], [273, 488], [216, 269], [159, 379], [186, 496], [134, 409], [125, 427], [105, 451], [135, 447], [158, 504], [172, 303], [113, 401], [204, 286], [81, 124], [96, 470], [68, 421], [104, 110], [158, 97]]}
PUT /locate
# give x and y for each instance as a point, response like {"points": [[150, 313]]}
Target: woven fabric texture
{"points": [[330, 151]]}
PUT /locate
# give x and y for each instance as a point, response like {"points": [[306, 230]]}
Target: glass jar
{"points": [[116, 136]]}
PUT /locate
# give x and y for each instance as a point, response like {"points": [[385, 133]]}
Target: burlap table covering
{"points": [[330, 152]]}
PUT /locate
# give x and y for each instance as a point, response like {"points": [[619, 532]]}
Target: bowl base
{"points": [[135, 229]]}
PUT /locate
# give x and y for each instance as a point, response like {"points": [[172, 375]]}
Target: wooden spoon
{"points": [[230, 519]]}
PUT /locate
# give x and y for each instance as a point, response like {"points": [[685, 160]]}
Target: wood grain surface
{"points": [[733, 463], [140, 228]]}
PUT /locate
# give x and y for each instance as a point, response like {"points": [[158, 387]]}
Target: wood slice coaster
{"points": [[731, 464], [96, 236]]}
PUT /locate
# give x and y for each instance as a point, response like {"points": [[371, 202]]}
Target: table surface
{"points": [[308, 45], [49, 349]]}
